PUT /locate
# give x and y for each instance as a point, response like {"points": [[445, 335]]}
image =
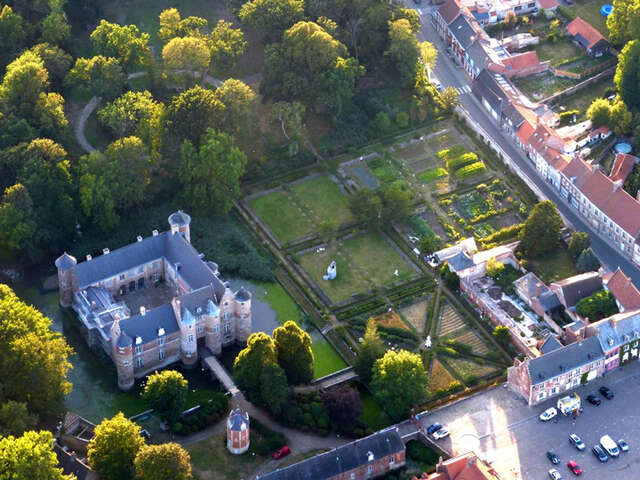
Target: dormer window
{"points": [[138, 340], [161, 336]]}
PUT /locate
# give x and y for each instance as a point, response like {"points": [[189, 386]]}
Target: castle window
{"points": [[190, 339], [199, 328], [120, 350], [154, 265], [370, 469], [227, 328], [226, 315], [139, 362], [138, 349], [216, 329], [122, 276], [140, 269], [161, 355], [160, 341], [126, 363], [392, 460]]}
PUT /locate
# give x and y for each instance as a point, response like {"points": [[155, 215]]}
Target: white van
{"points": [[609, 445]]}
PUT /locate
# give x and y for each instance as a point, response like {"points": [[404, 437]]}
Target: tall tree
{"points": [[578, 242], [166, 393], [250, 363], [12, 34], [587, 261], [99, 76], [598, 305], [30, 350], [397, 203], [17, 219], [294, 352], [56, 61], [15, 418], [291, 116], [274, 391], [29, 457], [404, 50], [54, 28], [621, 118], [367, 206], [210, 175], [399, 381], [191, 113], [271, 17], [24, 81], [124, 42], [624, 21], [96, 195], [599, 112], [502, 334], [541, 231], [134, 113], [371, 349], [343, 406], [449, 99], [237, 97], [113, 449], [226, 44], [627, 77], [172, 25], [188, 58], [131, 165], [167, 461]]}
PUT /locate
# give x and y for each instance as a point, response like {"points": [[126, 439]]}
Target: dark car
{"points": [[599, 453], [282, 452], [624, 446], [606, 392], [417, 2], [434, 428], [576, 441], [574, 467], [551, 455], [593, 399]]}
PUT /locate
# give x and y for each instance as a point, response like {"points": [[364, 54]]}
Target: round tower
{"points": [[238, 432], [188, 339], [122, 353], [179, 223], [243, 312], [67, 283]]}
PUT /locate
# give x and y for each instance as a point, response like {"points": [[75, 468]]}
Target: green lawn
{"points": [[297, 213], [326, 359], [558, 52], [432, 174], [554, 266], [279, 300], [363, 261], [283, 218], [542, 85], [372, 414], [583, 98], [589, 10], [211, 459]]}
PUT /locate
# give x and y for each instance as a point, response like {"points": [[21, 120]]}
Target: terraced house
{"points": [[153, 302]]}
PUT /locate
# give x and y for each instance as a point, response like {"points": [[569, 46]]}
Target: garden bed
{"points": [[416, 313], [440, 378], [450, 321]]}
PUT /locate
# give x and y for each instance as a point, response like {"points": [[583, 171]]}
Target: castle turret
{"points": [[179, 223], [213, 336], [188, 337], [122, 354], [238, 432], [243, 312], [67, 283]]}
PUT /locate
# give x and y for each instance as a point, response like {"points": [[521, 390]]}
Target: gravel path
{"points": [[82, 123]]}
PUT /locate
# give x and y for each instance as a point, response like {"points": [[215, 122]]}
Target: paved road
{"points": [[452, 76]]}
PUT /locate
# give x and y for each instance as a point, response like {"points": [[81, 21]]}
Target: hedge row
{"points": [[506, 233], [472, 170], [462, 161]]}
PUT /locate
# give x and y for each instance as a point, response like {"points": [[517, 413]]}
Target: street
{"points": [[450, 75], [498, 425]]}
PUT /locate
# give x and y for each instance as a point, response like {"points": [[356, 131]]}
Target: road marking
{"points": [[463, 90]]}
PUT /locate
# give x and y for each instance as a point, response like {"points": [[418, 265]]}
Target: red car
{"points": [[574, 467], [282, 452]]}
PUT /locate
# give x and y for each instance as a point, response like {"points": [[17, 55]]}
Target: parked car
{"points": [[551, 455], [624, 446], [433, 428], [574, 467], [606, 392], [442, 433], [555, 474], [417, 2], [593, 399], [609, 445], [548, 414], [576, 441], [282, 452], [599, 453]]}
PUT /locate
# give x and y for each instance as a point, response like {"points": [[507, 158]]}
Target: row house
{"points": [[623, 290], [491, 89], [556, 372]]}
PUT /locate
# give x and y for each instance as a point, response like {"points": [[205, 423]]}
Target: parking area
{"points": [[501, 428]]}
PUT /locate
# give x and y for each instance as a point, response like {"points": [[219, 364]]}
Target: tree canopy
{"points": [[192, 112], [250, 362], [166, 393], [578, 242], [99, 76], [624, 21], [541, 231], [293, 346], [167, 461], [371, 349], [627, 77], [271, 17], [30, 456], [600, 304], [124, 42]]}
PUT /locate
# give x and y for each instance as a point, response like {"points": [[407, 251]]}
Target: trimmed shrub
{"points": [[462, 161], [471, 170]]}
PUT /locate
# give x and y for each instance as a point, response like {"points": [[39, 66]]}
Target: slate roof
{"points": [[460, 261], [342, 459], [478, 54], [463, 31], [199, 299], [549, 300], [550, 344], [486, 87], [579, 286], [146, 326], [564, 359], [238, 420], [172, 247], [179, 218], [618, 330], [124, 340], [65, 261], [243, 295]]}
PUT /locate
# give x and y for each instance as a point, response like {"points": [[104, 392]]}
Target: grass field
{"points": [[469, 338], [372, 414], [211, 459], [279, 300], [542, 85], [554, 266], [558, 52], [432, 174], [326, 359], [391, 319], [589, 10], [466, 368], [363, 261], [296, 213], [583, 98]]}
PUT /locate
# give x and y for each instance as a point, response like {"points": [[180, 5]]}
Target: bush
{"points": [[402, 120], [566, 12], [471, 170], [461, 161], [506, 233], [566, 118]]}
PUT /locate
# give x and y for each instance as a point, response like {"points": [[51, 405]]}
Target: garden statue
{"points": [[331, 271], [427, 342]]}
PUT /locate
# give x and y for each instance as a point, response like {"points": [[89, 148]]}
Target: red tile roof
{"points": [[525, 131], [449, 11], [603, 130], [622, 166], [523, 60], [624, 290], [605, 194], [586, 30], [548, 4]]}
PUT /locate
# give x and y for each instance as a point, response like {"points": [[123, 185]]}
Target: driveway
{"points": [[450, 75], [501, 428]]}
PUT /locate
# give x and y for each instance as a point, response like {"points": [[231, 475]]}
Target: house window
{"points": [[138, 349], [139, 362], [369, 468], [227, 328], [352, 476], [122, 276], [226, 315], [126, 363], [160, 341], [216, 329], [199, 328], [140, 269], [161, 355], [190, 339]]}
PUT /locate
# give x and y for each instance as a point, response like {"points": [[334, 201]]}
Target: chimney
{"points": [[143, 310], [139, 238], [154, 233], [105, 251], [89, 257], [594, 167], [617, 184]]}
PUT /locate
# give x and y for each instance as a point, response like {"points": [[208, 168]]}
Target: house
{"points": [[571, 290], [550, 5], [489, 88], [467, 245], [520, 65], [71, 464], [154, 302], [463, 34], [540, 298], [624, 291], [368, 457], [622, 167], [474, 265], [587, 37], [465, 467], [556, 372], [600, 133], [619, 337], [549, 344], [476, 59], [444, 16]]}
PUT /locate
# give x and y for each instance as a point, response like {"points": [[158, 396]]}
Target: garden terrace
{"points": [[295, 211]]}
